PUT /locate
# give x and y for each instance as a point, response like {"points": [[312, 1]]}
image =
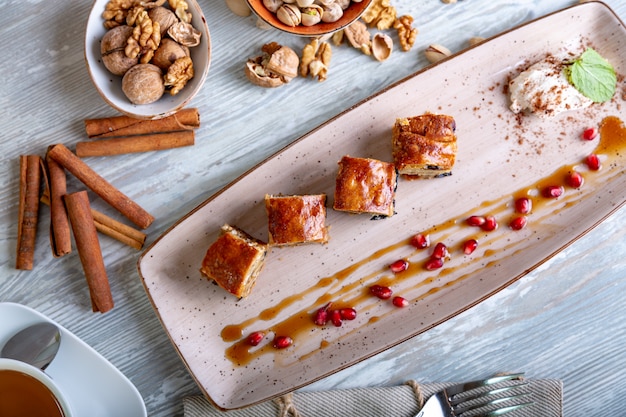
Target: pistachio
{"points": [[435, 53], [304, 3], [239, 7], [312, 15], [332, 13], [272, 5], [382, 46], [475, 40], [289, 14]]}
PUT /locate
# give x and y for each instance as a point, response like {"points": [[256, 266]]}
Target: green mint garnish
{"points": [[593, 76]]}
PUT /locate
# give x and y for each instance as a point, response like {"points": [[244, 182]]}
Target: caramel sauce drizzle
{"points": [[342, 289]]}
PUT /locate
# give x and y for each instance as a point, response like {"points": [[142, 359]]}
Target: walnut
{"points": [[178, 74], [316, 59], [143, 84], [381, 14], [168, 52], [145, 38], [337, 37], [185, 34], [357, 34], [115, 12], [180, 7], [406, 32], [112, 49], [164, 17], [277, 66]]}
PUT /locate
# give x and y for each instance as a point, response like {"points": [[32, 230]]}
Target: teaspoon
{"points": [[36, 345]]}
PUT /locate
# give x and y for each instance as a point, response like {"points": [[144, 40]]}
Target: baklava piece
{"points": [[424, 146], [296, 219], [234, 261], [365, 185]]}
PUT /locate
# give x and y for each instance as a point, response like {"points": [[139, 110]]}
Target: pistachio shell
{"points": [[382, 46], [435, 53], [239, 7], [289, 14], [312, 15]]}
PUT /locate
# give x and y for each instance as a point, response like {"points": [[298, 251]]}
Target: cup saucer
{"points": [[92, 385]]}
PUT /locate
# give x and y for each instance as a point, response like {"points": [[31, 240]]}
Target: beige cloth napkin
{"points": [[398, 401]]}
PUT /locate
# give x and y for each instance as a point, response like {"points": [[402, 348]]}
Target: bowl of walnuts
{"points": [[147, 59], [310, 18]]}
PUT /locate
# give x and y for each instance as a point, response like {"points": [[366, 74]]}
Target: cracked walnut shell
{"points": [[277, 66]]}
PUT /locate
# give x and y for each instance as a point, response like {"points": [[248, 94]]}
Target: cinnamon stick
{"points": [[185, 119], [134, 144], [112, 228], [89, 251], [30, 178], [60, 238], [119, 231], [100, 186]]}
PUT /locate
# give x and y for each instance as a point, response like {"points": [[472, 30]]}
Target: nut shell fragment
{"points": [[239, 7], [277, 66], [185, 34], [382, 46], [435, 53]]}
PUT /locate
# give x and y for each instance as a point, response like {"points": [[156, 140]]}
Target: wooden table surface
{"points": [[563, 320]]}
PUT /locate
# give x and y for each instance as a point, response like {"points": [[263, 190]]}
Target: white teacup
{"points": [[26, 390]]}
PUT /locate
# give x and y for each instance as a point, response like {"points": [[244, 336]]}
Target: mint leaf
{"points": [[593, 76]]}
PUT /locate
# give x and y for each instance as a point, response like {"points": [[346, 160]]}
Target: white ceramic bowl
{"points": [[110, 86]]}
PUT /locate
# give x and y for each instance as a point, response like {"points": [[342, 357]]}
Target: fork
{"points": [[456, 400]]}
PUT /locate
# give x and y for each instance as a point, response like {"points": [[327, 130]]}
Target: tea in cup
{"points": [[28, 391]]}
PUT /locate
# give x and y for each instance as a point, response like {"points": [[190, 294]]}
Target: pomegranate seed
{"points": [[282, 342], [523, 205], [433, 263], [469, 246], [518, 223], [575, 179], [553, 191], [590, 133], [255, 338], [440, 251], [476, 220], [381, 292], [348, 313], [399, 266], [593, 162], [321, 315], [335, 318], [490, 224], [420, 241], [400, 302]]}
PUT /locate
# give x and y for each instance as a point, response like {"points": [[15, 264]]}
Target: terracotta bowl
{"points": [[352, 13], [110, 86]]}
